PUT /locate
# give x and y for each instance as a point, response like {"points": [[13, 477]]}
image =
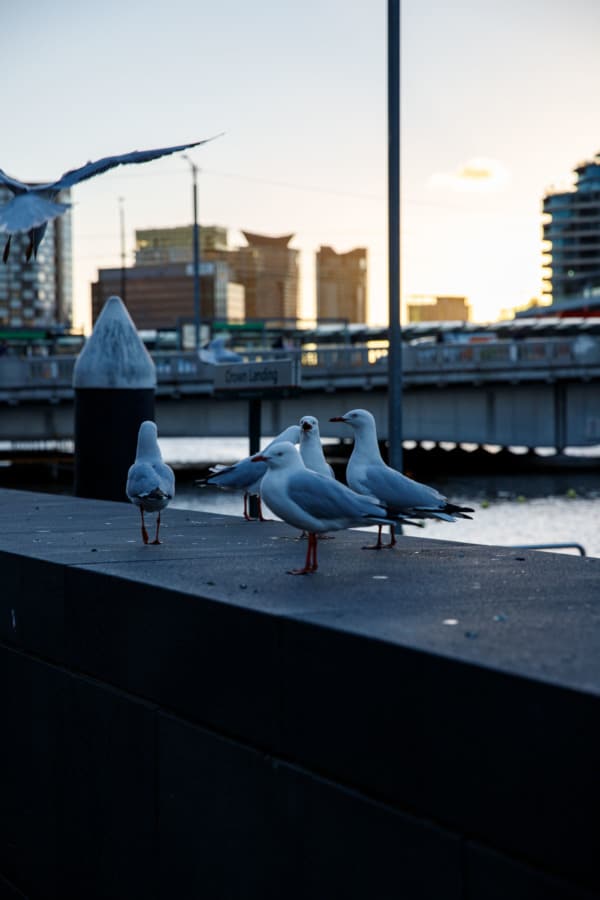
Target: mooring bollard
{"points": [[114, 381]]}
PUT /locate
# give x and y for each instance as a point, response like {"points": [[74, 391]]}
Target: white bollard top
{"points": [[114, 356]]}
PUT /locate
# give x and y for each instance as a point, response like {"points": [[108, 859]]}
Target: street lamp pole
{"points": [[122, 224], [395, 331], [194, 169]]}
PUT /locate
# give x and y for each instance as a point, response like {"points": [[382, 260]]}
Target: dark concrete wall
{"points": [[160, 743]]}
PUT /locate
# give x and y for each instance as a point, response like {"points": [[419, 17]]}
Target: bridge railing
{"points": [[179, 371]]}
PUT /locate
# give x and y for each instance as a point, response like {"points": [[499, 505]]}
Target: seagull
{"points": [[313, 502], [34, 205], [311, 450], [150, 481], [244, 475], [367, 473], [217, 352]]}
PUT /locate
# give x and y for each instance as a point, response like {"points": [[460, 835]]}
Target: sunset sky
{"points": [[499, 102]]}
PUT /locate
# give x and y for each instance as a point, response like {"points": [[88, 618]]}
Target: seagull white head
{"points": [[147, 444], [309, 426], [280, 456], [358, 419]]}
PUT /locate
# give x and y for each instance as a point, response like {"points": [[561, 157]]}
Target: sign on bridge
{"points": [[256, 376]]}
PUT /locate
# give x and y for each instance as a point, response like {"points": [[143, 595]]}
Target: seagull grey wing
{"points": [[74, 176], [166, 478], [17, 187], [324, 498], [141, 480], [27, 211], [291, 434], [400, 492], [239, 476]]}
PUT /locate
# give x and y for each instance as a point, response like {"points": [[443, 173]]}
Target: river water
{"points": [[510, 509]]}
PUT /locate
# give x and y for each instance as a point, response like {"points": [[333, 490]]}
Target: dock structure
{"points": [[187, 720]]}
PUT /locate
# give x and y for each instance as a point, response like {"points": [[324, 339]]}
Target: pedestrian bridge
{"points": [[528, 392]]}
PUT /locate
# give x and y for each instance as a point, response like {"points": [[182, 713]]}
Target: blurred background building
{"points": [[269, 270], [256, 281], [438, 309], [39, 292], [156, 246], [162, 296], [572, 239], [342, 284]]}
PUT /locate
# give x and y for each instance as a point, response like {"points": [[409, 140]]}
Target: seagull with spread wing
{"points": [[34, 205]]}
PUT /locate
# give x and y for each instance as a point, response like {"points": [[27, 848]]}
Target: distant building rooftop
{"points": [[264, 240]]}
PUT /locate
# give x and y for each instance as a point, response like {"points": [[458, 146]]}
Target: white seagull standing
{"points": [[245, 475], [315, 503], [311, 449], [368, 474], [150, 481], [34, 205]]}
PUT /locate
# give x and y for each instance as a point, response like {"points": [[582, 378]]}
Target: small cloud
{"points": [[478, 175]]}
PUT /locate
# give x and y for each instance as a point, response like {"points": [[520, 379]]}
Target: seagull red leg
{"points": [[310, 563], [156, 540], [247, 517], [260, 513], [379, 544], [144, 532]]}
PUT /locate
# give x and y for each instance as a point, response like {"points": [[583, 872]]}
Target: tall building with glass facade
{"points": [[342, 284], [160, 246], [571, 231], [39, 292]]}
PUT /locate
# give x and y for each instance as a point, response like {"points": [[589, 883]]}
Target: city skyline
{"points": [[496, 107]]}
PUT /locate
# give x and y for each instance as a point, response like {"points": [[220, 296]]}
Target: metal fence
{"points": [[34, 376]]}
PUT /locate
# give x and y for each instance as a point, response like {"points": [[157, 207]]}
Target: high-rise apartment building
{"points": [[572, 238], [268, 269], [342, 284], [38, 292]]}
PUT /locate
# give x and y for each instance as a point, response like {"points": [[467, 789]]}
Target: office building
{"points": [[571, 250], [162, 297], [160, 246], [342, 284], [39, 292]]}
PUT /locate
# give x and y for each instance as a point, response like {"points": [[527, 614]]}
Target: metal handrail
{"points": [[423, 360], [567, 546]]}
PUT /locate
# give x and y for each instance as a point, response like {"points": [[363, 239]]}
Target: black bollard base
{"points": [[254, 417], [107, 421]]}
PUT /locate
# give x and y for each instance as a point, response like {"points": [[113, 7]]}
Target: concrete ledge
{"points": [[189, 719]]}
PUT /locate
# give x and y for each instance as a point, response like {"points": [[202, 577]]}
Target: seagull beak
{"points": [[259, 458], [337, 419]]}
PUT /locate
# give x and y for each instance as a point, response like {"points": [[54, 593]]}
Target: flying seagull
{"points": [[34, 205]]}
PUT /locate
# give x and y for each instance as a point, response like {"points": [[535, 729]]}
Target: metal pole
{"points": [[194, 168], [395, 332], [254, 429], [122, 223]]}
